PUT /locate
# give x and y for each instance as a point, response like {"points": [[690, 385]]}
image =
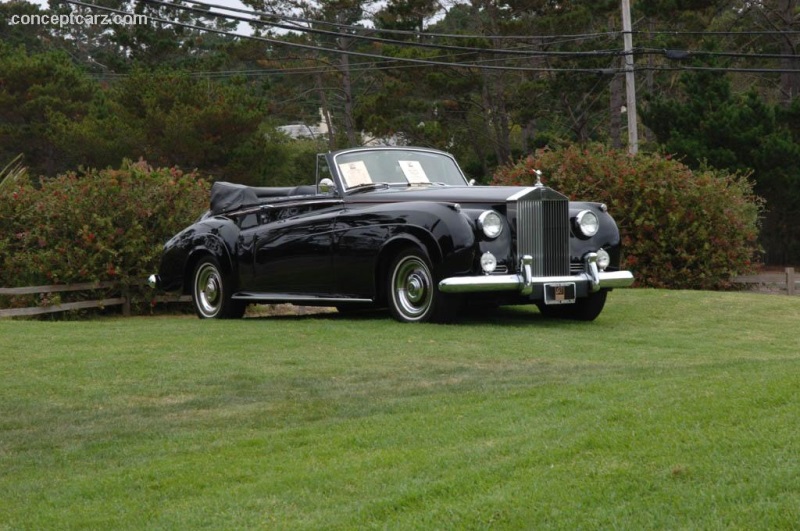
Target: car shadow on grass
{"points": [[507, 316]]}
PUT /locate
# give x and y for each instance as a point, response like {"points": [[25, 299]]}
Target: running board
{"points": [[250, 296]]}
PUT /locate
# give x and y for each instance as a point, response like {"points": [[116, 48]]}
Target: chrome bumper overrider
{"points": [[525, 281]]}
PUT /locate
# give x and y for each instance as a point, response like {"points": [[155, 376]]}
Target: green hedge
{"points": [[97, 225], [680, 229]]}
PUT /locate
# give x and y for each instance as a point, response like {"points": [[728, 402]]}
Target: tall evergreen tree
{"points": [[713, 126], [37, 93]]}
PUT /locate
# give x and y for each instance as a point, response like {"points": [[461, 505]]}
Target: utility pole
{"points": [[630, 80]]}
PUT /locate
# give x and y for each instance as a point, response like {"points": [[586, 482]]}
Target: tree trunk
{"points": [[326, 111], [497, 117], [347, 91]]}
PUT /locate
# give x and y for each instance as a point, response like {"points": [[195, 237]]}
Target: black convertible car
{"points": [[396, 227]]}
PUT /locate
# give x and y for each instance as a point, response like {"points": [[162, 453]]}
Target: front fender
{"points": [[607, 236], [368, 238], [446, 233], [500, 246]]}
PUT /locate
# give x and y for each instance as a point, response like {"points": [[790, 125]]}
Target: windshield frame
{"points": [[404, 173]]}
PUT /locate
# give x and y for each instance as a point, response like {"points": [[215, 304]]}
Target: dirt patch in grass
{"points": [[267, 310]]}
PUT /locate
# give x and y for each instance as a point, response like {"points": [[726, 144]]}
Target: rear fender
{"points": [[219, 242]]}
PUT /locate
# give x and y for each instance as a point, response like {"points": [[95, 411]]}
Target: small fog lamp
{"points": [[488, 263], [603, 259]]}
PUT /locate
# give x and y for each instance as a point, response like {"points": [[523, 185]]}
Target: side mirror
{"points": [[326, 186]]}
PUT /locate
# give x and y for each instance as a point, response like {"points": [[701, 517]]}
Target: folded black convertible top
{"points": [[227, 197]]}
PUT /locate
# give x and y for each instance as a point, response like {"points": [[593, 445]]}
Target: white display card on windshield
{"points": [[355, 173], [413, 171]]}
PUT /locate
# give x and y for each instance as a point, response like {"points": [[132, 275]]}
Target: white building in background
{"points": [[319, 131], [301, 130], [304, 130]]}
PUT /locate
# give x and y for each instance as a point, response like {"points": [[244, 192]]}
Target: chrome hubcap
{"points": [[415, 288], [412, 287], [208, 289]]}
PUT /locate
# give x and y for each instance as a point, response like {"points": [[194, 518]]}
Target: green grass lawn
{"points": [[672, 410]]}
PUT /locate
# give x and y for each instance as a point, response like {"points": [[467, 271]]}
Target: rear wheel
{"points": [[212, 290], [413, 293], [586, 309]]}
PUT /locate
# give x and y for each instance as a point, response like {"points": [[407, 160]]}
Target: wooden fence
{"points": [[787, 280], [123, 298]]}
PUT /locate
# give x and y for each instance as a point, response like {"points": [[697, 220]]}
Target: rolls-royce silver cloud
{"points": [[400, 228]]}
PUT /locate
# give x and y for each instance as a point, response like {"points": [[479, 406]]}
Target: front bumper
{"points": [[524, 282]]}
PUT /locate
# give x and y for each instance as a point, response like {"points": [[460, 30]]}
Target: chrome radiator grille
{"points": [[543, 230]]}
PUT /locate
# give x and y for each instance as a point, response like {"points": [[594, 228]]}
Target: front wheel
{"points": [[212, 290], [586, 309], [413, 294]]}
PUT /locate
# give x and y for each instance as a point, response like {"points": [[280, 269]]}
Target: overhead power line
{"points": [[413, 33], [484, 64], [717, 33], [473, 64], [722, 69], [426, 34], [687, 54], [369, 38]]}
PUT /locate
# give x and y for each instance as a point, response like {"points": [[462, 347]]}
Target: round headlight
{"points": [[587, 223], [491, 224], [603, 260]]}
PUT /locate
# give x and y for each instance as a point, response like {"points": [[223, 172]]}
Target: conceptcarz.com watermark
{"points": [[73, 19]]}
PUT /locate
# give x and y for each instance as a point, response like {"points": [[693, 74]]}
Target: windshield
{"points": [[398, 167]]}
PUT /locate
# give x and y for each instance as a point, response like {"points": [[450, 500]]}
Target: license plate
{"points": [[559, 293]]}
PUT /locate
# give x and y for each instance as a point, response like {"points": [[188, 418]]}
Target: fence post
{"points": [[126, 305], [790, 281]]}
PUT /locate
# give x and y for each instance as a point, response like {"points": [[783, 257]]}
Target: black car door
{"points": [[292, 249]]}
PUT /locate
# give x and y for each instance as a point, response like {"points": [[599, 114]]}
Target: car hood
{"points": [[444, 194]]}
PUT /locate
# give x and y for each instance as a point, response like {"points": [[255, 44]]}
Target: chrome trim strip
{"points": [[605, 280], [288, 202], [521, 193], [291, 298], [294, 201]]}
